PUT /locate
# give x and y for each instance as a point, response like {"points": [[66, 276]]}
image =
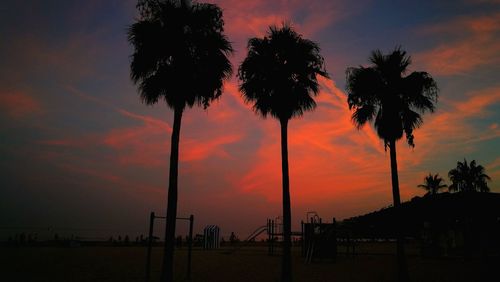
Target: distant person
{"points": [[232, 238]]}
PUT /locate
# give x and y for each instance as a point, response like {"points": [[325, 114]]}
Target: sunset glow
{"points": [[80, 150]]}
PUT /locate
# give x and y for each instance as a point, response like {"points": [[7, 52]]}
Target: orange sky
{"points": [[99, 158]]}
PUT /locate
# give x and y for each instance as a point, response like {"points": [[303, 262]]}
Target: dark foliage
{"points": [[474, 217], [180, 53], [279, 74], [382, 94], [432, 184], [468, 178]]}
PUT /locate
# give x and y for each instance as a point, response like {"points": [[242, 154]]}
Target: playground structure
{"points": [[211, 237], [275, 234], [151, 237], [317, 239]]}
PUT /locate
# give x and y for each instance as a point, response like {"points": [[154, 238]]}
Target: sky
{"points": [[81, 154]]}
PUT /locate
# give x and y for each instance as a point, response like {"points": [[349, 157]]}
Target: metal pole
{"points": [[334, 224], [150, 245], [190, 246], [302, 250], [268, 237], [273, 238]]}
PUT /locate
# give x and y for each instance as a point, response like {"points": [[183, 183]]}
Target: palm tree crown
{"points": [[469, 178], [279, 73], [176, 44], [432, 184], [382, 93]]}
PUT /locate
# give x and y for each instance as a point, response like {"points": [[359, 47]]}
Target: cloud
{"points": [[19, 105], [93, 173], [70, 59], [147, 120], [474, 43], [247, 19], [478, 102], [146, 144], [149, 143], [483, 1], [329, 158], [80, 141], [230, 161], [455, 123], [195, 150], [453, 131]]}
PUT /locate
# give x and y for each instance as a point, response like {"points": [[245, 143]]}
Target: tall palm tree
{"points": [[382, 94], [468, 178], [181, 56], [279, 77], [432, 184]]}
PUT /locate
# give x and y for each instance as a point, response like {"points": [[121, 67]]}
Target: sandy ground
{"points": [[246, 264]]}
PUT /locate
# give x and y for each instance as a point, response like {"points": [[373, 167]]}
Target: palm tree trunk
{"points": [[167, 274], [286, 267], [402, 274]]}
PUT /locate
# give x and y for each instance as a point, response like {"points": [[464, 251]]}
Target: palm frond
{"points": [[279, 74], [363, 114], [397, 101], [180, 53], [421, 91], [468, 177], [432, 184]]}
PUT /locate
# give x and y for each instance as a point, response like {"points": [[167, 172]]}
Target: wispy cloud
{"points": [[329, 158], [455, 124], [253, 18], [473, 43], [18, 104]]}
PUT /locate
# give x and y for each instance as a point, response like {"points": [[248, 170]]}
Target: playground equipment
{"points": [[152, 218], [274, 233], [320, 239], [211, 237], [256, 233]]}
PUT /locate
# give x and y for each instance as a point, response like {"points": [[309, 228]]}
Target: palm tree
{"points": [[432, 184], [394, 102], [279, 77], [468, 178], [181, 56]]}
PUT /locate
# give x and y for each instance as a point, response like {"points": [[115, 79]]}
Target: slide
{"points": [[256, 233]]}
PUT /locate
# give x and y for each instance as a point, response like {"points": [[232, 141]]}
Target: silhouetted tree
{"points": [[468, 178], [181, 56], [278, 77], [432, 184], [382, 94]]}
